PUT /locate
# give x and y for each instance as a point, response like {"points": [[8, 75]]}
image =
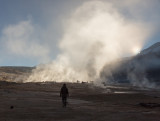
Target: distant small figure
{"points": [[64, 94]]}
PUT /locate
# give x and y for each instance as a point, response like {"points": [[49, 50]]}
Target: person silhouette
{"points": [[64, 94]]}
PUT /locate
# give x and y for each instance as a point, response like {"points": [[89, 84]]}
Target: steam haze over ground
{"points": [[93, 34]]}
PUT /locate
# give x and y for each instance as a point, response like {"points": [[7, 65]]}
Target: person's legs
{"points": [[64, 101]]}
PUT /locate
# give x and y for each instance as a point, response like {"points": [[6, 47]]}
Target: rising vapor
{"points": [[95, 34], [22, 39]]}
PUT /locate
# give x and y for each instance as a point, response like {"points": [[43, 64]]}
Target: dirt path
{"points": [[33, 102]]}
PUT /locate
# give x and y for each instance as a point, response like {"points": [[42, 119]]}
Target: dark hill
{"points": [[10, 73], [142, 68]]}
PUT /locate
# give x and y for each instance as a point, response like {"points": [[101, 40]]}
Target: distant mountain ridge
{"points": [[11, 73], [142, 68], [155, 48]]}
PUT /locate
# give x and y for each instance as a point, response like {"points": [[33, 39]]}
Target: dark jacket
{"points": [[64, 91]]}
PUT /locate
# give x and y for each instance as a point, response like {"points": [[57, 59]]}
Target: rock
{"points": [[11, 107], [149, 105]]}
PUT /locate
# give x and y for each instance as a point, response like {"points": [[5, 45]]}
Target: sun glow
{"points": [[136, 50]]}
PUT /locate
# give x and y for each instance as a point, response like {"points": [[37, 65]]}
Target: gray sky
{"points": [[31, 30]]}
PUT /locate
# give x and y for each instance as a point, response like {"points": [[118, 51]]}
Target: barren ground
{"points": [[41, 102]]}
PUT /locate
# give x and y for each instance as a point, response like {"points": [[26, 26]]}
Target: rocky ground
{"points": [[41, 102], [14, 73]]}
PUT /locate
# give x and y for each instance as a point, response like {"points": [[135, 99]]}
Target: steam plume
{"points": [[95, 34]]}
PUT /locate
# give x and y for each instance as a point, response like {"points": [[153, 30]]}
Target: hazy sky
{"points": [[31, 30]]}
